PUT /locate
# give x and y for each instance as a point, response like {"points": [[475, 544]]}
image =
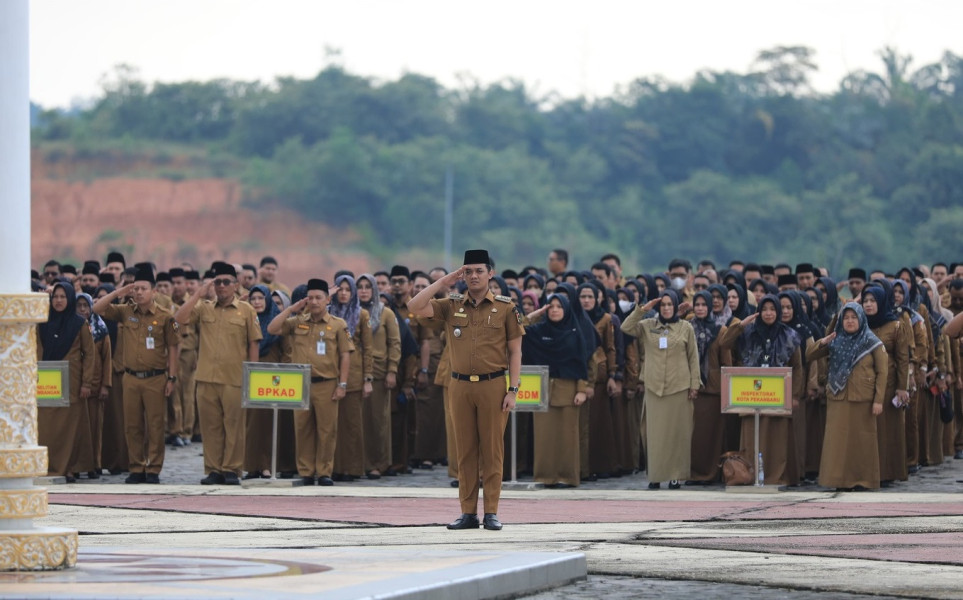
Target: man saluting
{"points": [[484, 334]]}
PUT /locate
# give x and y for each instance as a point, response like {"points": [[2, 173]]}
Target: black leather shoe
{"points": [[465, 521], [653, 485], [674, 485], [93, 475], [492, 523], [213, 478], [453, 483], [136, 478], [151, 478], [307, 480], [230, 478], [958, 455], [325, 480]]}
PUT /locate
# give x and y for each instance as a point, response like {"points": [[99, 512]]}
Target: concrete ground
{"points": [[905, 541]]}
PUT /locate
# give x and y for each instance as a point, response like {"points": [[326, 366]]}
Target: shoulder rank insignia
{"points": [[503, 298], [518, 314], [454, 296]]}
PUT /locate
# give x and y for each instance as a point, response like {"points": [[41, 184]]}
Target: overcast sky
{"points": [[573, 48]]}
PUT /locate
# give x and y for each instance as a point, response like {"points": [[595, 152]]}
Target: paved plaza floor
{"points": [[387, 538]]}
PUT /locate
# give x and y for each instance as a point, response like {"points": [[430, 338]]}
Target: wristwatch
{"points": [[343, 385], [172, 378], [513, 390], [424, 370], [368, 379]]}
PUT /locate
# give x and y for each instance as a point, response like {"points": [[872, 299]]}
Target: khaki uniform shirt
{"points": [[307, 336], [145, 335], [225, 334], [478, 335], [386, 344], [670, 366], [867, 381]]}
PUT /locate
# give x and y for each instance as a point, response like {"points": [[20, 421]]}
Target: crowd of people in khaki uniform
{"points": [[396, 357]]}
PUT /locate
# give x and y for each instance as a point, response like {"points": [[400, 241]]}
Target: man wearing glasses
{"points": [[51, 271], [229, 333]]}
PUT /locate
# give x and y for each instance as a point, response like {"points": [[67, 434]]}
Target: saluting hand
{"points": [[298, 306], [749, 319], [452, 278], [651, 304], [828, 339]]}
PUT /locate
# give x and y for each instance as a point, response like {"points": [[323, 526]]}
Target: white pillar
{"points": [[22, 546], [14, 146]]}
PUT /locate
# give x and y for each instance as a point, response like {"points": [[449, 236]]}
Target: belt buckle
{"points": [[141, 375], [473, 378]]}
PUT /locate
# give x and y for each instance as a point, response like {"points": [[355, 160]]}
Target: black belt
{"points": [[485, 377], [320, 379], [145, 374]]}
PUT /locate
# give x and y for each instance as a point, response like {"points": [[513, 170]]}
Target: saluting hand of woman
{"points": [[651, 304], [828, 339]]}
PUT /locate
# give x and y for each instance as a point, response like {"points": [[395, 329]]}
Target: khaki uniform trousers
{"points": [[376, 418], [316, 432], [479, 425], [183, 414], [145, 418], [114, 448], [222, 427], [349, 453], [450, 436]]}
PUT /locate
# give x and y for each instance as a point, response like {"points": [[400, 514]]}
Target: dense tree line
{"points": [[727, 165]]}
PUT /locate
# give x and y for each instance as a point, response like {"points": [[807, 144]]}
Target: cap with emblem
{"points": [[318, 284], [477, 257]]}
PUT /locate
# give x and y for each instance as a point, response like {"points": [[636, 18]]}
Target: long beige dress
{"points": [[556, 435], [671, 369]]}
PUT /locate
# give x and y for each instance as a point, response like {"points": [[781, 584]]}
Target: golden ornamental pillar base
{"points": [[24, 547]]}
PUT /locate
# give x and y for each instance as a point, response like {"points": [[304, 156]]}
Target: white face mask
{"points": [[626, 305], [678, 283]]}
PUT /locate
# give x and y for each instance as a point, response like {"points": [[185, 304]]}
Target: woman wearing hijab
{"points": [[349, 452], [793, 315], [385, 356], [530, 302], [65, 431], [259, 422], [738, 301], [708, 433], [113, 454], [925, 414], [943, 355], [762, 340], [830, 301], [603, 455], [885, 323], [719, 308], [662, 283], [856, 385], [281, 299], [557, 343], [917, 367], [100, 389], [672, 380]]}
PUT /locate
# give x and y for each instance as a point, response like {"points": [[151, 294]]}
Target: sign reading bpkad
{"points": [[746, 390], [53, 383], [276, 385]]}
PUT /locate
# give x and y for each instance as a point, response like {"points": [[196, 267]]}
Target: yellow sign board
{"points": [[751, 389], [533, 392], [276, 385], [53, 383]]}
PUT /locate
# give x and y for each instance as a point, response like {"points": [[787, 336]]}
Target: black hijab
{"points": [[59, 332], [742, 310], [770, 345], [560, 346], [598, 311], [706, 331], [674, 297], [882, 291], [651, 290], [589, 334], [265, 317], [654, 292], [830, 306]]}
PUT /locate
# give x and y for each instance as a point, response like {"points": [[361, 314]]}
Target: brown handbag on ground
{"points": [[736, 470]]}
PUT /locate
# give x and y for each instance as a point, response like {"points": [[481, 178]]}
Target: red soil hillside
{"points": [[168, 222]]}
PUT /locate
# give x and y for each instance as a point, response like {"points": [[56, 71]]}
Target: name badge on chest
{"points": [[663, 343], [321, 347], [150, 343]]}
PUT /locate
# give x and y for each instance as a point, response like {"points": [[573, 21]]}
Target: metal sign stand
{"points": [[273, 480], [759, 487], [514, 484]]}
